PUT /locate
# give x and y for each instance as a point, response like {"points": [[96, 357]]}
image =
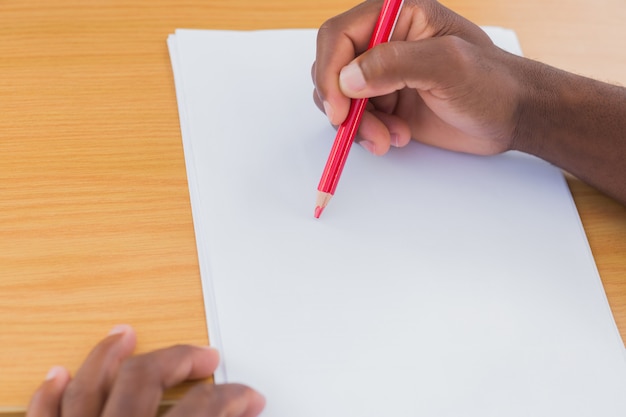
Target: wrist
{"points": [[575, 123], [537, 105]]}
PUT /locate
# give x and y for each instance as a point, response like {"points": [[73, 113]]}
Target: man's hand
{"points": [[441, 80], [111, 382]]}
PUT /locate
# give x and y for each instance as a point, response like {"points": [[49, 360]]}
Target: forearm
{"points": [[576, 123]]}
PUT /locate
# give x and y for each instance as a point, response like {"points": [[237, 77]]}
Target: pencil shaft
{"points": [[341, 147], [348, 129]]}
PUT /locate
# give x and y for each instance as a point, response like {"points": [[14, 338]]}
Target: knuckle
{"points": [[376, 62], [73, 399], [179, 350], [330, 28], [457, 51], [151, 369], [140, 369], [385, 63]]}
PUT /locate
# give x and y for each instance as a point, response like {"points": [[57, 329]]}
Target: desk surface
{"points": [[95, 219]]}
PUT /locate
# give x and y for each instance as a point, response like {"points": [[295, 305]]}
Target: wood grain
{"points": [[95, 219]]}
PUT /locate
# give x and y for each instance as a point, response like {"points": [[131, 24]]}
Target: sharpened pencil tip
{"points": [[318, 211]]}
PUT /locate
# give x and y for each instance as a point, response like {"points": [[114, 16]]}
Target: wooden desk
{"points": [[95, 221]]}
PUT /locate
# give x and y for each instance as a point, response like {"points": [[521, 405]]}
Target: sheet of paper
{"points": [[435, 283]]}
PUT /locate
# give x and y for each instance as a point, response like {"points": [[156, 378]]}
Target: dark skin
{"points": [[112, 382], [443, 82]]}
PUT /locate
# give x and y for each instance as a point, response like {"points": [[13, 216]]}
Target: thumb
{"points": [[423, 65]]}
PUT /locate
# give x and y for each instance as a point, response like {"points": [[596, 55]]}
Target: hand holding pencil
{"points": [[429, 84]]}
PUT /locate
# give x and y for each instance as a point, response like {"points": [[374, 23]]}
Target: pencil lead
{"points": [[318, 211]]}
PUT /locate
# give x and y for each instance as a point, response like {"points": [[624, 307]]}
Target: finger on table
{"points": [[142, 379], [86, 394], [46, 401], [228, 400]]}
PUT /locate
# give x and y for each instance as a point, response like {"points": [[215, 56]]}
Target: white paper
{"points": [[435, 283]]}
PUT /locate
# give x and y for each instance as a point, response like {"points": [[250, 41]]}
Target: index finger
{"points": [[339, 41], [142, 379]]}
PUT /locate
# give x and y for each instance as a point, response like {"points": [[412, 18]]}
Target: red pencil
{"points": [[347, 131]]}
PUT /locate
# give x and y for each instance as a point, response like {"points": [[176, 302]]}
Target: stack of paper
{"points": [[435, 283]]}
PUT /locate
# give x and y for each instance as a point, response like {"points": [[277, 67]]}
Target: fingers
{"points": [[46, 401], [444, 71], [346, 36], [142, 379], [379, 131], [339, 40], [429, 51], [86, 394], [397, 131], [109, 383], [443, 88], [230, 400]]}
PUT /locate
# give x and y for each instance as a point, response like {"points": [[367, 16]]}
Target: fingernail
{"points": [[54, 372], [328, 109], [119, 329], [351, 78], [395, 140], [369, 146]]}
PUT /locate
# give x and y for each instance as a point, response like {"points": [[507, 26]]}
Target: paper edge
{"points": [[202, 248]]}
